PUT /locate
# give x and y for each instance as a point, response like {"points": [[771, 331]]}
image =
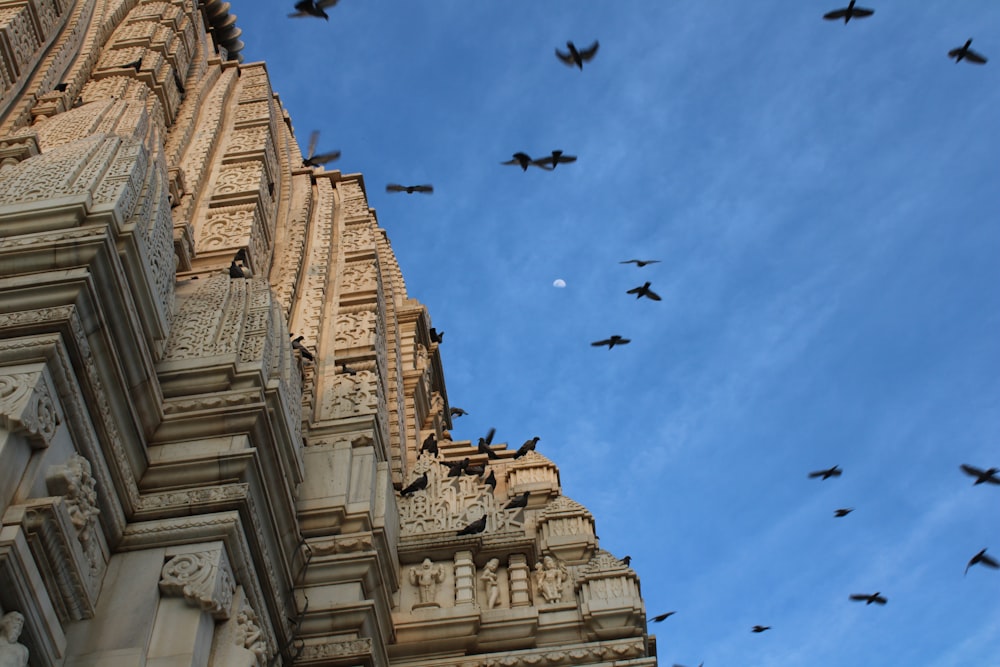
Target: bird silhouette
{"points": [[315, 160], [419, 484], [988, 476], [982, 559], [868, 599], [458, 412], [640, 262], [348, 370], [663, 617], [528, 446], [297, 345], [523, 160], [576, 57], [627, 561], [409, 189], [492, 481], [965, 53], [435, 336], [849, 12], [488, 439], [835, 471], [476, 471], [456, 468], [760, 628], [477, 526], [312, 8], [550, 162], [484, 448], [644, 291], [843, 511], [238, 270], [611, 342], [518, 502], [430, 445]]}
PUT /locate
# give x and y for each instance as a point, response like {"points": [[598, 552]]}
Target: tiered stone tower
{"points": [[178, 484]]}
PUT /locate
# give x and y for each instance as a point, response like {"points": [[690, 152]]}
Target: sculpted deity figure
{"points": [[426, 577], [549, 578], [489, 577], [12, 654], [250, 634]]}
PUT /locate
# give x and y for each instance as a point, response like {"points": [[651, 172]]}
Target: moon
{"points": [[559, 282]]}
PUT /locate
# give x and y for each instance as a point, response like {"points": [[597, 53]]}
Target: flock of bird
{"points": [[576, 57], [987, 476]]}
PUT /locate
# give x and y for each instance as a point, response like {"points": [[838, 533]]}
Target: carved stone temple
{"points": [[179, 485]]}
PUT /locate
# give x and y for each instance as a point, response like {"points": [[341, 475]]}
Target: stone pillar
{"points": [[520, 588], [465, 578]]}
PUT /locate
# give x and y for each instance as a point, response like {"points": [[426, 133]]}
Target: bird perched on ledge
{"points": [[518, 502], [477, 526], [297, 345], [419, 484], [528, 446]]}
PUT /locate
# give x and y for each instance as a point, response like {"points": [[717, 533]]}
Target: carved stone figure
{"points": [[75, 481], [549, 578], [12, 654], [489, 576], [250, 634], [426, 577]]}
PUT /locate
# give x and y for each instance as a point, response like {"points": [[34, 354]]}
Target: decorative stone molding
{"points": [[567, 530], [203, 579], [26, 406], [358, 651], [572, 655], [609, 598]]}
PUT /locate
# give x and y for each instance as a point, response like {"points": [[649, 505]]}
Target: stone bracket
{"points": [[27, 405], [204, 579]]}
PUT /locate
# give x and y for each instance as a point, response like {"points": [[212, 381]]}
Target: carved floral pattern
{"points": [[204, 579]]}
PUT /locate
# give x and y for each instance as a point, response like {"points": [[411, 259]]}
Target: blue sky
{"points": [[824, 199]]}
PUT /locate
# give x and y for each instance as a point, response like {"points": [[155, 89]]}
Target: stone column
{"points": [[520, 587], [465, 578]]}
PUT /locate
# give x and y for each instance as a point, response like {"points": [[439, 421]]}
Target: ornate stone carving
{"points": [[226, 227], [75, 482], [550, 577], [12, 654], [204, 579], [360, 648], [426, 578], [249, 635], [489, 577], [26, 405]]}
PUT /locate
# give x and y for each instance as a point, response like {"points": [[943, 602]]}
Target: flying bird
{"points": [[576, 57], [640, 262], [458, 412], [315, 160], [663, 617], [484, 448], [644, 291], [611, 342], [868, 599], [518, 502], [409, 189], [430, 445], [489, 436], [477, 526], [521, 159], [297, 345], [528, 446], [760, 628], [989, 476], [557, 158], [835, 471], [965, 53], [435, 336], [982, 559], [844, 511], [312, 8], [419, 484], [849, 12]]}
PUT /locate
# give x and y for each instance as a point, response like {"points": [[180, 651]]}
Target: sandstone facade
{"points": [[178, 484]]}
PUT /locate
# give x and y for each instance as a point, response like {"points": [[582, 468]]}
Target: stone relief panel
{"points": [[226, 227], [426, 578], [350, 395], [355, 329], [550, 578], [451, 503], [74, 481], [241, 178]]}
